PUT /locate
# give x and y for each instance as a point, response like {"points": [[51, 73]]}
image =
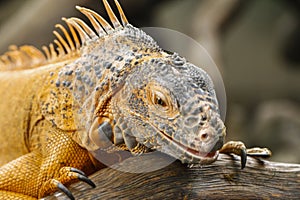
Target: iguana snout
{"points": [[201, 133]]}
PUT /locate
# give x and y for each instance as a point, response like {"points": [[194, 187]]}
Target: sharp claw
{"points": [[83, 177], [243, 158], [72, 169], [65, 190], [86, 180]]}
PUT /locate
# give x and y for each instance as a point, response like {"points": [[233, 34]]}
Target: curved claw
{"points": [[81, 176], [65, 190], [72, 169], [243, 158], [86, 180]]}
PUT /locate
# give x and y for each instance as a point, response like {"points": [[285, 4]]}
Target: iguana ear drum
{"points": [[102, 134]]}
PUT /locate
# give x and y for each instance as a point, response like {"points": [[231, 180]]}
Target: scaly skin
{"points": [[116, 90]]}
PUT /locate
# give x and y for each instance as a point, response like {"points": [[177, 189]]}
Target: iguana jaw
{"points": [[171, 146], [189, 155]]}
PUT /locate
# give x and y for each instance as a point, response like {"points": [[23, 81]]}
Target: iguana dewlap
{"points": [[105, 87]]}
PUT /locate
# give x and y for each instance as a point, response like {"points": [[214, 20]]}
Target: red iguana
{"points": [[111, 84]]}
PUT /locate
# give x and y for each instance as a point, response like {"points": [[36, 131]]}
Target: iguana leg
{"points": [[14, 196], [64, 164], [240, 149], [18, 178], [47, 169]]}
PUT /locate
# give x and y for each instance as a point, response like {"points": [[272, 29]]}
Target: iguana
{"points": [[105, 87]]}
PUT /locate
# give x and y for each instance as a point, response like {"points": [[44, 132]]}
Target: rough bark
{"points": [[221, 180]]}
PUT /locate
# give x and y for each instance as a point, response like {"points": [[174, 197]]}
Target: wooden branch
{"points": [[221, 180]]}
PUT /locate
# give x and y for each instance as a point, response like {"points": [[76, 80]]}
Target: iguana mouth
{"points": [[192, 151], [192, 154]]}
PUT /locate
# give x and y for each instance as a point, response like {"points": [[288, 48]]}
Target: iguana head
{"points": [[170, 105], [129, 91]]}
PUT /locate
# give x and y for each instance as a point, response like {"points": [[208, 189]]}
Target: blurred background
{"points": [[255, 44]]}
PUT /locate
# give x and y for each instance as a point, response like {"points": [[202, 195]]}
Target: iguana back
{"points": [[20, 93]]}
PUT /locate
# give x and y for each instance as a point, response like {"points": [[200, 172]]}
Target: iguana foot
{"points": [[237, 148], [240, 149], [67, 175]]}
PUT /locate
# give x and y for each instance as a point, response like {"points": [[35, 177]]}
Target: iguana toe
{"points": [[82, 176], [238, 148]]}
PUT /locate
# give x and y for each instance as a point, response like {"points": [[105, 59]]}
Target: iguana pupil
{"points": [[160, 102]]}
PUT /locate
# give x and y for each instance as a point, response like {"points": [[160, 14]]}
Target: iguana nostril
{"points": [[204, 136], [204, 118]]}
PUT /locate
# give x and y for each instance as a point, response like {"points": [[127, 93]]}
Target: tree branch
{"points": [[221, 180]]}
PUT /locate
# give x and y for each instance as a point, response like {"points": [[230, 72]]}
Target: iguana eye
{"points": [[159, 99], [161, 102]]}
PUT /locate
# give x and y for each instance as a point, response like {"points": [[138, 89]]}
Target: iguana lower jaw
{"points": [[101, 137], [190, 155]]}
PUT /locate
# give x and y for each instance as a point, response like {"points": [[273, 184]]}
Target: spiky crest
{"points": [[67, 45]]}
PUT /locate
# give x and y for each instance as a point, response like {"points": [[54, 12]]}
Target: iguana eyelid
{"points": [[155, 92], [170, 110], [159, 99]]}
